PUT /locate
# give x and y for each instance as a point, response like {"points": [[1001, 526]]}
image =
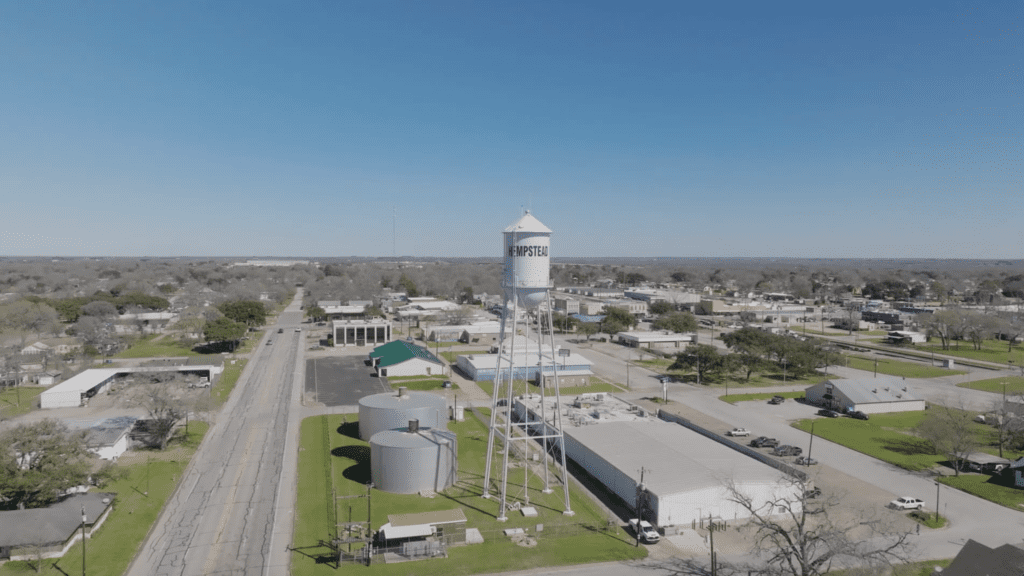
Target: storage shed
{"points": [[403, 358], [867, 395]]}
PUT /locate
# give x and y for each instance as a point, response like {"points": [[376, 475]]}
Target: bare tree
{"points": [[166, 405], [950, 431], [796, 535], [1009, 422]]}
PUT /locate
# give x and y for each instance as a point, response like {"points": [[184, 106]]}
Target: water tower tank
{"points": [[404, 462], [393, 410], [527, 262]]}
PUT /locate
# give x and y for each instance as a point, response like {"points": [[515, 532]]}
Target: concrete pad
{"points": [[473, 536]]}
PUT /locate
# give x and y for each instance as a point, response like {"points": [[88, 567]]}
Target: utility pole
{"points": [[639, 505], [84, 519], [937, 502], [876, 367], [711, 531], [810, 445]]}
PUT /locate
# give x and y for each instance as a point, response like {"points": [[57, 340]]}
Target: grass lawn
{"points": [[880, 437], [145, 347], [898, 368], [423, 384], [991, 351], [927, 519], [112, 547], [332, 455], [9, 404], [222, 389], [734, 398], [1014, 385], [985, 486], [451, 357], [889, 438], [249, 345]]}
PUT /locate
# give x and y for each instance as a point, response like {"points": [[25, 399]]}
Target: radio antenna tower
{"points": [[526, 285]]}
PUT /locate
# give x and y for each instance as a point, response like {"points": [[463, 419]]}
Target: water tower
{"points": [[526, 285]]}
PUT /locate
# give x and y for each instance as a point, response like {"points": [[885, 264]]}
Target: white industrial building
{"points": [[689, 476], [573, 369], [867, 395], [658, 339], [361, 332]]}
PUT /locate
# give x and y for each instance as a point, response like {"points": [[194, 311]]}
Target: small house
{"points": [[403, 358], [50, 532]]}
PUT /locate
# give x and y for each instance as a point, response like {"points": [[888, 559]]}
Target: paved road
{"points": [[221, 519]]}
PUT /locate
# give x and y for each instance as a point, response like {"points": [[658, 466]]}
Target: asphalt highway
{"points": [[221, 519]]}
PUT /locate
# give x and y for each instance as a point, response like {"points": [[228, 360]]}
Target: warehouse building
{"points": [[403, 358], [660, 339], [77, 390], [867, 395], [689, 474], [573, 369]]}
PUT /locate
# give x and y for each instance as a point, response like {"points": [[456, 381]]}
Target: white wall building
{"points": [[659, 339], [868, 395]]}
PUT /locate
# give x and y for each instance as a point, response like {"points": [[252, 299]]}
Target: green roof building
{"points": [[403, 358]]}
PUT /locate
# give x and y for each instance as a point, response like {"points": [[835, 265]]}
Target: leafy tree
{"points": [[248, 312], [408, 285], [703, 358], [619, 316], [661, 307], [39, 461], [676, 322], [315, 313], [563, 321], [750, 347], [950, 432], [681, 276], [373, 312], [588, 329], [166, 288], [224, 329], [611, 327], [100, 309]]}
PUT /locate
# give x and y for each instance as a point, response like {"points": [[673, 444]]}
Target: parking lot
{"points": [[341, 380]]}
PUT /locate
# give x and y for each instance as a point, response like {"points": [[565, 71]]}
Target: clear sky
{"points": [[817, 129]]}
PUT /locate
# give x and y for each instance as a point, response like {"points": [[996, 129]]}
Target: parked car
{"points": [[280, 330], [787, 450], [738, 432], [806, 461], [645, 530], [906, 503], [764, 442], [828, 413], [777, 400], [269, 342], [859, 415]]}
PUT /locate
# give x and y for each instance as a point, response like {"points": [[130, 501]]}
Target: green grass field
{"points": [[734, 398], [332, 455], [145, 347], [893, 367], [10, 406], [987, 487], [222, 389], [112, 547], [1014, 385], [991, 351], [422, 384], [889, 437]]}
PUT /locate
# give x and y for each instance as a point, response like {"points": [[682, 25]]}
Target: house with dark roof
{"points": [[867, 395], [109, 439], [403, 358], [976, 559], [49, 532], [1016, 470]]}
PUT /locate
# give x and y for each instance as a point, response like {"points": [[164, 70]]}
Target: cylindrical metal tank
{"points": [[404, 462], [527, 261], [390, 411]]}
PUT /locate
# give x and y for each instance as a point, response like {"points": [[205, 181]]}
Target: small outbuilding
{"points": [[867, 395], [447, 525], [403, 358]]}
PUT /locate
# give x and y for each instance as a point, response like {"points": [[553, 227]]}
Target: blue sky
{"points": [[818, 129]]}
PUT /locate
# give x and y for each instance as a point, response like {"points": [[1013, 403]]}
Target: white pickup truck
{"points": [[645, 530], [738, 432]]}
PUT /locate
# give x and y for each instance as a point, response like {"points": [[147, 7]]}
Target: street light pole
{"points": [[937, 502], [810, 445], [84, 519]]}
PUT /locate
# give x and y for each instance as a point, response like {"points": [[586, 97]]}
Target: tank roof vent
{"points": [[403, 392]]}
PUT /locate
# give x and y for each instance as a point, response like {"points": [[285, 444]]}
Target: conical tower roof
{"points": [[528, 224]]}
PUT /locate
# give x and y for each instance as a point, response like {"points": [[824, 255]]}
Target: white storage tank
{"points": [[413, 460], [391, 410], [527, 261]]}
